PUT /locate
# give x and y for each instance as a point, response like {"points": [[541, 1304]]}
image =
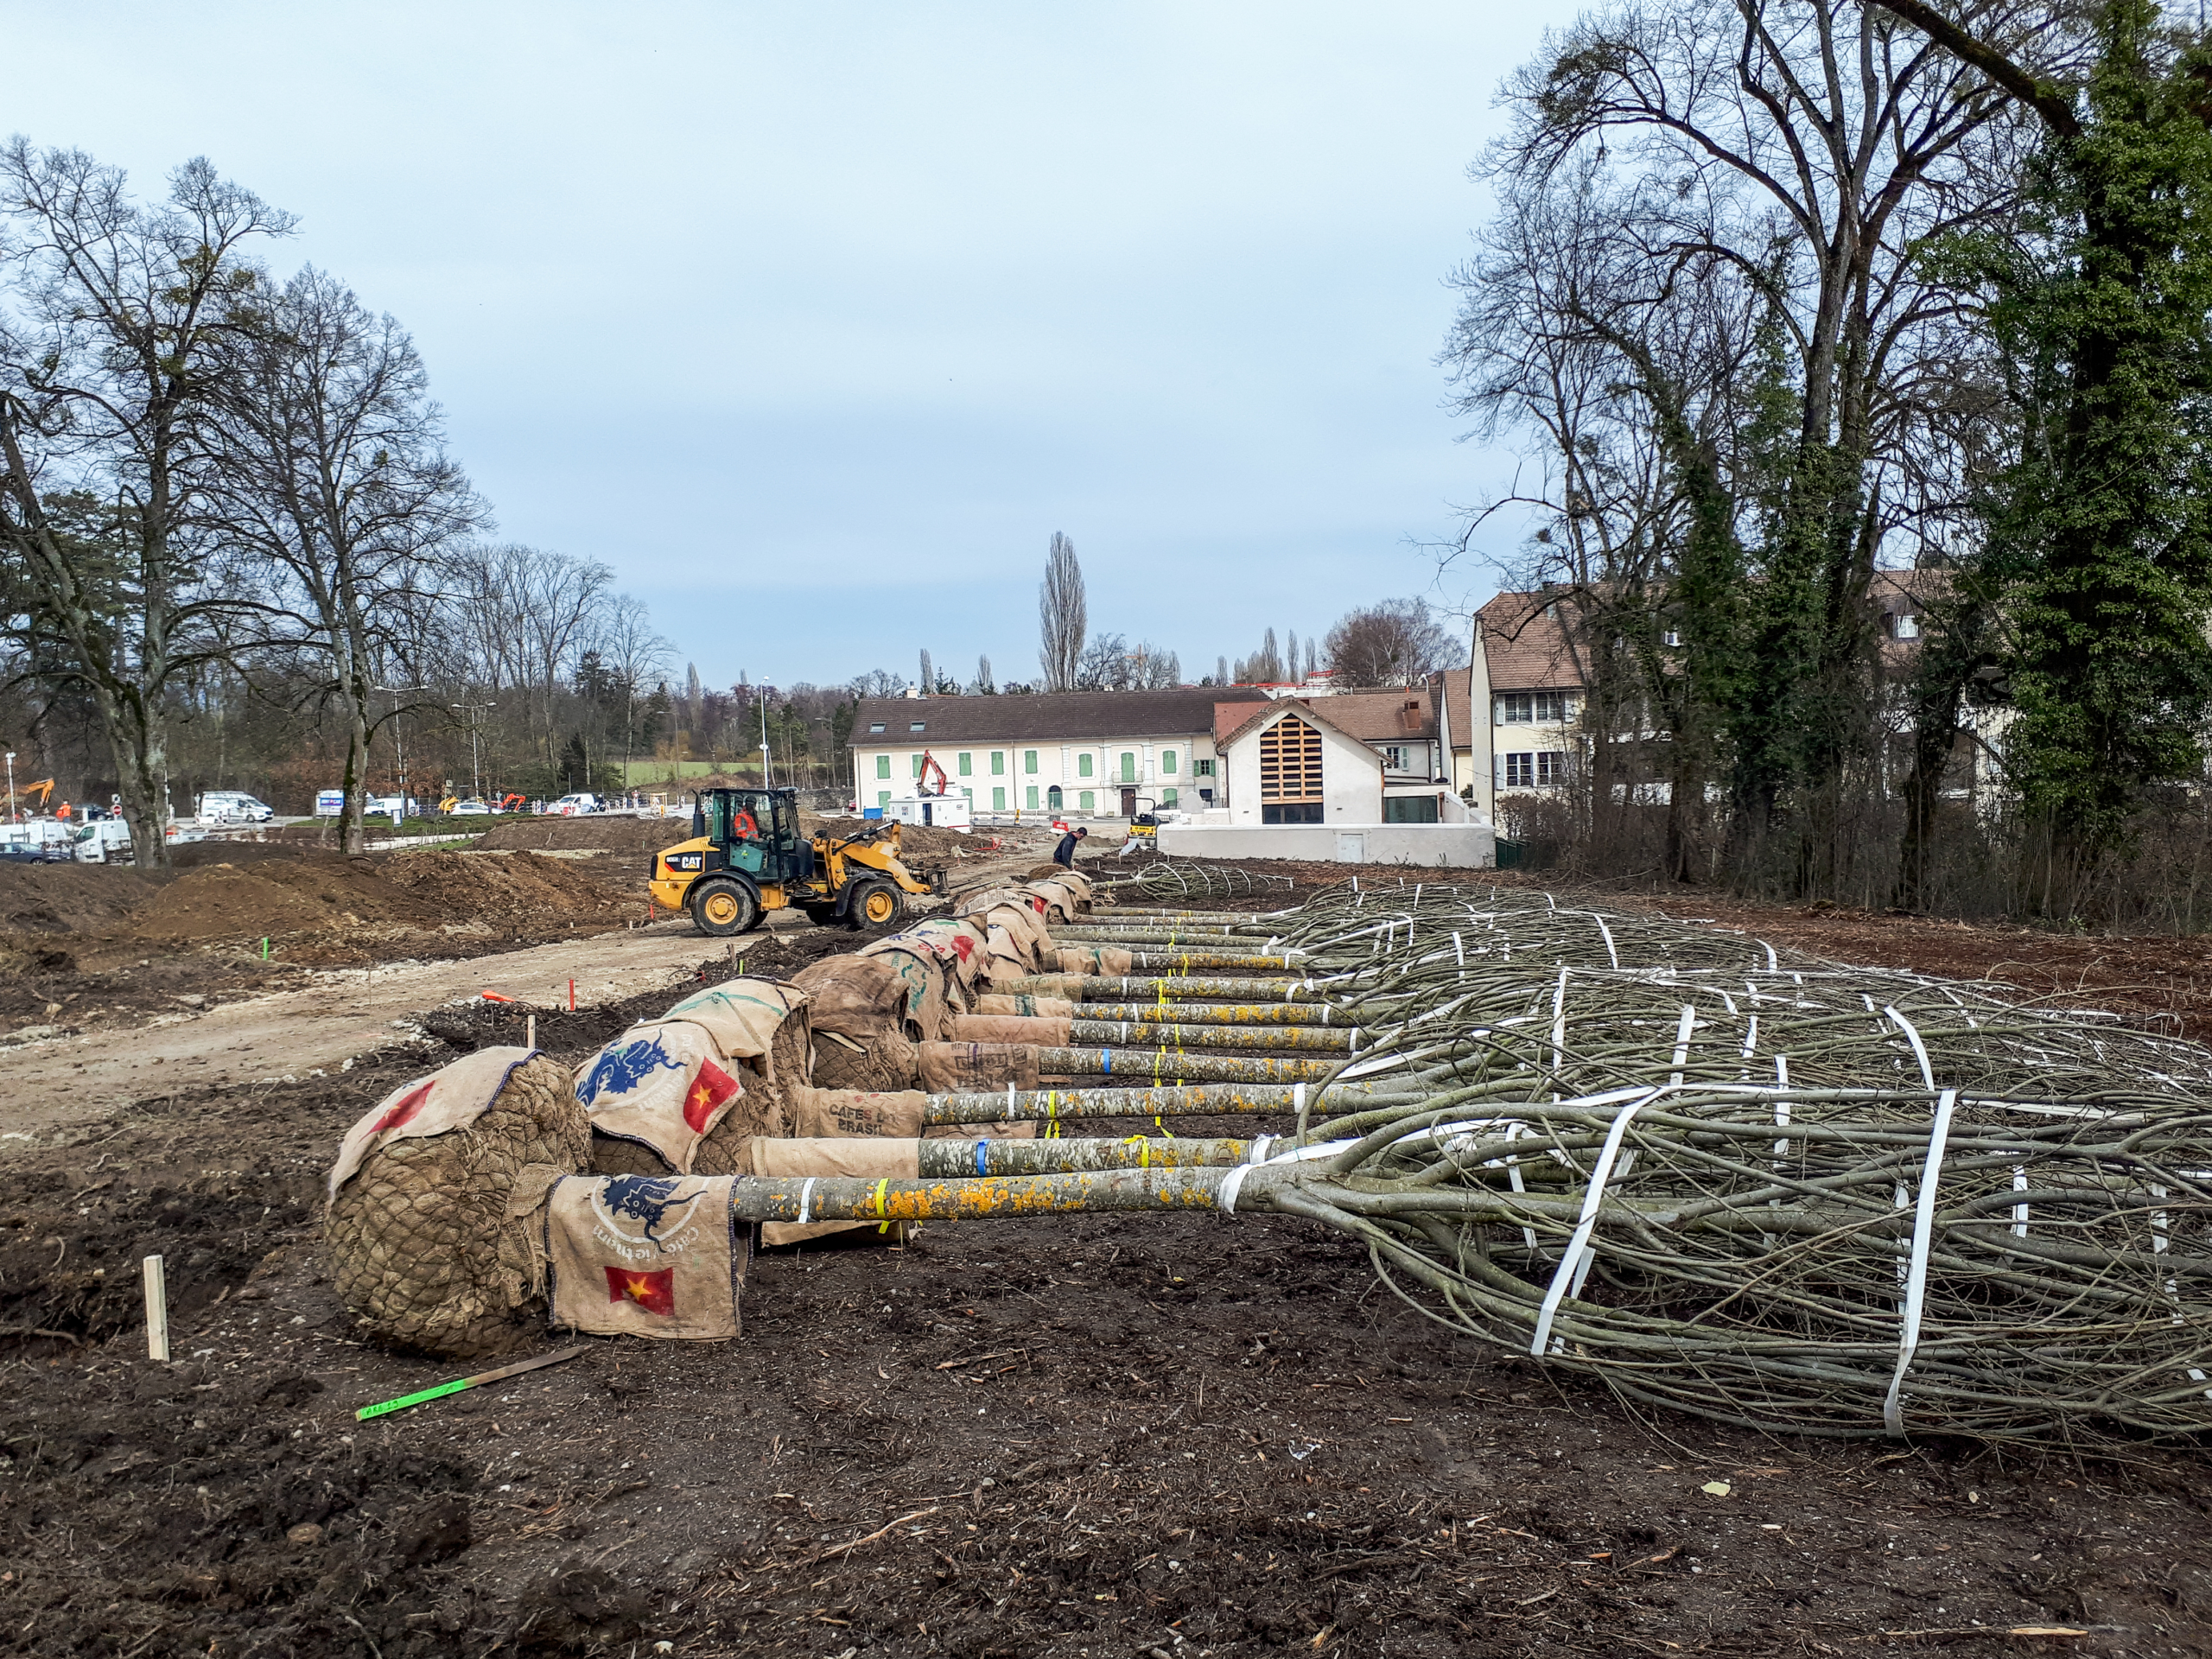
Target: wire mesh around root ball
{"points": [[432, 1242]]}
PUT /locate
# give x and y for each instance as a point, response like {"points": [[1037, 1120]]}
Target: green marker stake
{"points": [[461, 1382], [264, 950]]}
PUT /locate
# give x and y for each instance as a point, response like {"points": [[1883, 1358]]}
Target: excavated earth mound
{"points": [[276, 896], [614, 835], [521, 887]]}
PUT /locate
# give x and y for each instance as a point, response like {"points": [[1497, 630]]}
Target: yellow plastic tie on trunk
{"points": [[1143, 1143]]}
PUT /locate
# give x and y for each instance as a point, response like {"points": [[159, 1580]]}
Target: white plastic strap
{"points": [[1682, 1043], [805, 1199], [1916, 1284], [1599, 1174], [1513, 1174], [1558, 1022], [1260, 1145], [1608, 932], [2019, 1210], [1772, 966], [1926, 1071], [1224, 1197]]}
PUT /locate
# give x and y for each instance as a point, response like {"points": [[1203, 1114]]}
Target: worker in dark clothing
{"points": [[1063, 855]]}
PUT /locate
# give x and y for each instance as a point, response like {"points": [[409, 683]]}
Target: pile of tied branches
{"points": [[1170, 878], [1755, 1185]]}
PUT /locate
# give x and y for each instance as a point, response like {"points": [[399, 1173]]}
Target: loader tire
{"points": [[876, 904], [722, 908]]}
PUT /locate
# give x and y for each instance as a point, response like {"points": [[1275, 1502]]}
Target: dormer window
{"points": [[877, 726], [917, 725], [1906, 627]]}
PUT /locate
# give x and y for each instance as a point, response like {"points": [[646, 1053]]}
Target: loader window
{"points": [[789, 843]]}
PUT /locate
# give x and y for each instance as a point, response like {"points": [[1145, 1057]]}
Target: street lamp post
{"points": [[11, 786], [475, 712], [398, 751]]}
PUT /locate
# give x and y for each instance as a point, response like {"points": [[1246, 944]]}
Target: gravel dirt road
{"points": [[70, 1081]]}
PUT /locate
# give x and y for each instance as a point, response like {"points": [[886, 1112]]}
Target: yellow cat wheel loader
{"points": [[747, 856]]}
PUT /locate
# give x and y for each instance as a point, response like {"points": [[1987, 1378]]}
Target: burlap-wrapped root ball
{"points": [[435, 1234], [721, 1151], [882, 1064]]}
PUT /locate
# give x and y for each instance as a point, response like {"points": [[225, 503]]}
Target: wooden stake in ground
{"points": [[157, 1311], [461, 1382]]}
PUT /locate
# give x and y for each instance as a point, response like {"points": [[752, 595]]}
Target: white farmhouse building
{"points": [[1102, 753]]}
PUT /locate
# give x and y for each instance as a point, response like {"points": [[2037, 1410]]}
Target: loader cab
{"points": [[756, 830]]}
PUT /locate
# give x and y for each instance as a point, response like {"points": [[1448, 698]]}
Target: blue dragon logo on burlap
{"points": [[620, 1070], [646, 1199]]}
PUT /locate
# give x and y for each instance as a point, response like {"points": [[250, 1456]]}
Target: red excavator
{"points": [[922, 776]]}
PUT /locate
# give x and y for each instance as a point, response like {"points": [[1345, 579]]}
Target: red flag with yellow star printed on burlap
{"points": [[709, 1092], [645, 1255], [654, 1292]]}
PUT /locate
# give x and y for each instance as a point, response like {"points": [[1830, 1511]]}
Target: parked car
{"points": [[233, 806], [470, 808]]}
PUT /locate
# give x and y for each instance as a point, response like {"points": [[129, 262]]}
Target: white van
{"points": [[233, 806], [569, 805], [104, 840]]}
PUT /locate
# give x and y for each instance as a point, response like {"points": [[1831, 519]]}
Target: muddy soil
{"points": [[1103, 1435], [1161, 1435], [78, 938]]}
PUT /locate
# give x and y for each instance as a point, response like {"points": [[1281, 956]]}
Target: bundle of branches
{"points": [[1175, 878], [1747, 1183], [1831, 1260]]}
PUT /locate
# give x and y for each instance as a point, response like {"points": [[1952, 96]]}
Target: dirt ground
{"points": [[1144, 1436], [92, 943]]}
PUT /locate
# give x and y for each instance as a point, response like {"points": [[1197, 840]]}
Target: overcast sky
{"points": [[815, 322]]}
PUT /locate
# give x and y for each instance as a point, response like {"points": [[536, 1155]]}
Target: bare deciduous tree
{"points": [[332, 469], [108, 365], [1062, 617], [1394, 642]]}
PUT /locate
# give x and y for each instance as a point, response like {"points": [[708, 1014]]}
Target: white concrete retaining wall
{"points": [[1463, 845]]}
